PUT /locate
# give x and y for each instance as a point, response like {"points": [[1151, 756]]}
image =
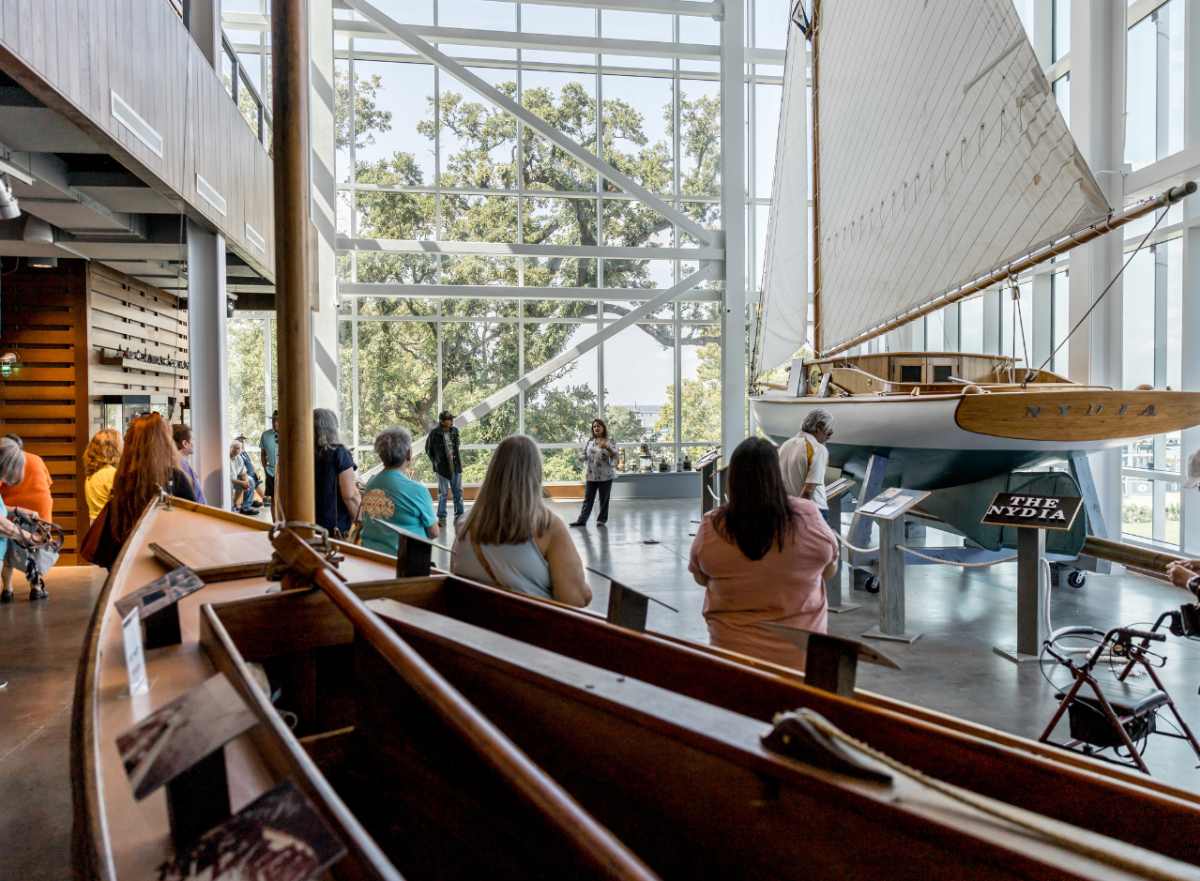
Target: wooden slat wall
{"points": [[126, 313], [71, 54], [43, 317]]}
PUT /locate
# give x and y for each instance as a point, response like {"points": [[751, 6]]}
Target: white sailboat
{"points": [[941, 167]]}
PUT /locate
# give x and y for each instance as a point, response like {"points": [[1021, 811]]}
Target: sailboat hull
{"points": [[938, 441]]}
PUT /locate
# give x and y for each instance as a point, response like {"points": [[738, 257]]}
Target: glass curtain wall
{"points": [[421, 158]]}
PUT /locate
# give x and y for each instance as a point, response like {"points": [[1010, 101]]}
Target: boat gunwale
{"points": [[978, 740]]}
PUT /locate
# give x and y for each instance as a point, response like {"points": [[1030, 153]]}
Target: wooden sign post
{"points": [[888, 509], [627, 607], [414, 553], [832, 661], [1032, 516], [180, 746], [158, 606]]}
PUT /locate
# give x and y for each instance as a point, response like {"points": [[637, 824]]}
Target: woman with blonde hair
{"points": [[511, 539], [100, 466]]}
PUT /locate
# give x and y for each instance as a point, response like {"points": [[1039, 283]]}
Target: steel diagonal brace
{"points": [[707, 271], [535, 122]]}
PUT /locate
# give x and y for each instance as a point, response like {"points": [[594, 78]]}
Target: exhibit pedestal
{"points": [[891, 585], [833, 584], [1031, 599]]}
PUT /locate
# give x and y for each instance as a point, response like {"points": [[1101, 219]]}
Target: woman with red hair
{"points": [[148, 462]]}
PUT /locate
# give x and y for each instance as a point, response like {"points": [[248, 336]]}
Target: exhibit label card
{"points": [[280, 836], [172, 739], [160, 593], [135, 658]]}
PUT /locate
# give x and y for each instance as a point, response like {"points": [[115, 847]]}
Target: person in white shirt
{"points": [[803, 459]]}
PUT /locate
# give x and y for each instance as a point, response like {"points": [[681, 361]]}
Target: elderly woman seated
{"points": [[511, 539], [763, 557], [392, 496]]}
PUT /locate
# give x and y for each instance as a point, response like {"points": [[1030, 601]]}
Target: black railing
{"points": [[253, 109]]}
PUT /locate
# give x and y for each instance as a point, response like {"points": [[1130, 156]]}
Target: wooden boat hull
{"points": [[938, 441], [663, 748]]}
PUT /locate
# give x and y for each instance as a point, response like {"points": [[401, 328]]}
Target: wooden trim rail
{"points": [[593, 841]]}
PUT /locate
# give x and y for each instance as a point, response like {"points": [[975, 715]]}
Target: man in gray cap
{"points": [[803, 459]]}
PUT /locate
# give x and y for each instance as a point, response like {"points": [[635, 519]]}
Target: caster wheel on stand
{"points": [[1076, 579], [872, 584]]}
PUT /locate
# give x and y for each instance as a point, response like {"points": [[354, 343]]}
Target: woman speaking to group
{"points": [[600, 459]]}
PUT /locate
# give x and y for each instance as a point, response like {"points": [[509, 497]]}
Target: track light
{"points": [[9, 208]]}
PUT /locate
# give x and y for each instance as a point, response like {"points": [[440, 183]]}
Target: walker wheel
{"points": [[1076, 579], [872, 584]]}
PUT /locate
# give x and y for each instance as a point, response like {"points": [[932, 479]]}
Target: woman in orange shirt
{"points": [[763, 557], [32, 494]]}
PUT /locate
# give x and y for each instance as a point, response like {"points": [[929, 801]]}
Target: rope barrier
{"points": [[930, 559], [852, 547], [1038, 827]]}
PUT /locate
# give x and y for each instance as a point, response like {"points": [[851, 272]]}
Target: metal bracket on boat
{"points": [[165, 495], [319, 542], [795, 737]]}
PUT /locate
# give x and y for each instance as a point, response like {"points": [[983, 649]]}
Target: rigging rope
{"points": [[1134, 253], [1000, 810]]}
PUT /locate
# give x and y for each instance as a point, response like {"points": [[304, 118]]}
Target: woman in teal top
{"points": [[393, 496]]}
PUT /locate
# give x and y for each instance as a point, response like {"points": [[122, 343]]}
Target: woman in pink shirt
{"points": [[763, 557]]}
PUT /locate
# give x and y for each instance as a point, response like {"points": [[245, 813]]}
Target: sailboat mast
{"points": [[816, 172]]}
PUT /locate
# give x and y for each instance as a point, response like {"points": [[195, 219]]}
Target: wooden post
{"points": [[891, 585], [289, 57], [831, 665], [198, 800], [833, 584], [1031, 598], [414, 558], [627, 608]]}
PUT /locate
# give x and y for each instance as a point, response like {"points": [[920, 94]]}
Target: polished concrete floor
{"points": [[951, 668]]}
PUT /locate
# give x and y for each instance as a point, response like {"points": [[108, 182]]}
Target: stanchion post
{"points": [[891, 585], [833, 584]]}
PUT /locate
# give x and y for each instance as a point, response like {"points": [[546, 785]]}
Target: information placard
{"points": [[135, 657], [1034, 512], [891, 503]]}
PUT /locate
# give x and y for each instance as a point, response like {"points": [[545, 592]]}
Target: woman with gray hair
{"points": [[393, 496], [12, 472], [337, 496], [803, 459], [511, 539]]}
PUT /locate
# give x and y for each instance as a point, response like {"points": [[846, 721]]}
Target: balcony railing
{"points": [[253, 109]]}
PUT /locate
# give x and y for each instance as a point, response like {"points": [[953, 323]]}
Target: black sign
{"points": [[1038, 512]]}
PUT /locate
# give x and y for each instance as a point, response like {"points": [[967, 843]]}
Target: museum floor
{"points": [[951, 668]]}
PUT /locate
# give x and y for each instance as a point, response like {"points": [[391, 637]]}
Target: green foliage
{"points": [[700, 401], [398, 361], [247, 367]]}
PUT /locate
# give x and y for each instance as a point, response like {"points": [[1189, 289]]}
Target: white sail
{"points": [[943, 155], [785, 275]]}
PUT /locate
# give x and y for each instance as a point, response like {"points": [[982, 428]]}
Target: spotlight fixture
{"points": [[8, 364], [9, 208], [41, 262]]}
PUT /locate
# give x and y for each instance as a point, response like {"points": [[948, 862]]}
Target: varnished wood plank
{"points": [[37, 393], [40, 411], [44, 449], [1076, 415], [64, 375], [163, 319], [51, 337]]}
